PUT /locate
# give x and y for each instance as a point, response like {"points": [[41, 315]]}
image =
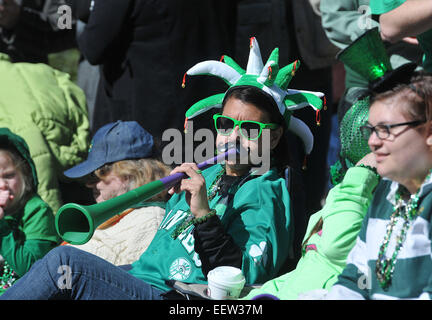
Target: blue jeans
{"points": [[69, 273]]}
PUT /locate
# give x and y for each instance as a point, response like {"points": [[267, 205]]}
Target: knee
{"points": [[60, 255], [59, 251]]}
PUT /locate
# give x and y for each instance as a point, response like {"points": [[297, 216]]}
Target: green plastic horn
{"points": [[76, 223]]}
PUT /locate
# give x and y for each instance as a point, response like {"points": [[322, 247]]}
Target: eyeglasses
{"points": [[250, 130], [383, 130]]}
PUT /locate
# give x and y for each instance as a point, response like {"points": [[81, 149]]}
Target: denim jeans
{"points": [[69, 273]]}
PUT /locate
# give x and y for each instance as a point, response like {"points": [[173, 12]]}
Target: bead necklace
{"points": [[8, 277], [214, 187], [407, 211], [190, 221], [211, 193]]}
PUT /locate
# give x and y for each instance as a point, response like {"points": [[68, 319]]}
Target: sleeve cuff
{"points": [[361, 175]]}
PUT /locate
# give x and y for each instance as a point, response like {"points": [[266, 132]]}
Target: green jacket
{"points": [[257, 217], [27, 234], [324, 255], [44, 107], [412, 274]]}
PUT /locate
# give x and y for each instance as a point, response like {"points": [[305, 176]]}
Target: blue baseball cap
{"points": [[116, 141]]}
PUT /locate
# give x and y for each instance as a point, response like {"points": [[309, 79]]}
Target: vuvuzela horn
{"points": [[76, 223]]}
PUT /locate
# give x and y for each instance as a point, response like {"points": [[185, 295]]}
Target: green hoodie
{"points": [[29, 233], [257, 217]]}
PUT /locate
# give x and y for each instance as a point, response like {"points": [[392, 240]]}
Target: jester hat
{"points": [[269, 78]]}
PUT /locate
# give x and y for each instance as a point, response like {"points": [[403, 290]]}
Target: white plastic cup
{"points": [[225, 283]]}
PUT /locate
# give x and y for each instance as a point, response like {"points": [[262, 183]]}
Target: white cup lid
{"points": [[226, 274]]}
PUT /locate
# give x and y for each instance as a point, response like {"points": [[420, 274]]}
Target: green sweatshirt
{"points": [[324, 255], [257, 217]]}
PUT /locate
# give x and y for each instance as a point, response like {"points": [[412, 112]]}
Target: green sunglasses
{"points": [[249, 129]]}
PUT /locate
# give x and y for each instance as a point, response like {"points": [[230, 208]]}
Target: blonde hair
{"points": [[137, 173], [25, 173]]}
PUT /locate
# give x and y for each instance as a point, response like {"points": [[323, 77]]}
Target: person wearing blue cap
{"points": [[225, 215], [122, 158]]}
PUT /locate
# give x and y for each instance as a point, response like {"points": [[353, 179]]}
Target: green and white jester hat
{"points": [[269, 78]]}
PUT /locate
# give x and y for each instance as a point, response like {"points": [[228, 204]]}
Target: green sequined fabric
{"points": [[367, 56], [353, 145]]}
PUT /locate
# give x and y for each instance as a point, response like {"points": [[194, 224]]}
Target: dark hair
{"points": [[264, 102]]}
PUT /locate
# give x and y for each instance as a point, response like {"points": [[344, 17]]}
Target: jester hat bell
{"points": [[270, 78]]}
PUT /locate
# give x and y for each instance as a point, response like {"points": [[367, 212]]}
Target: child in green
{"points": [[27, 229]]}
